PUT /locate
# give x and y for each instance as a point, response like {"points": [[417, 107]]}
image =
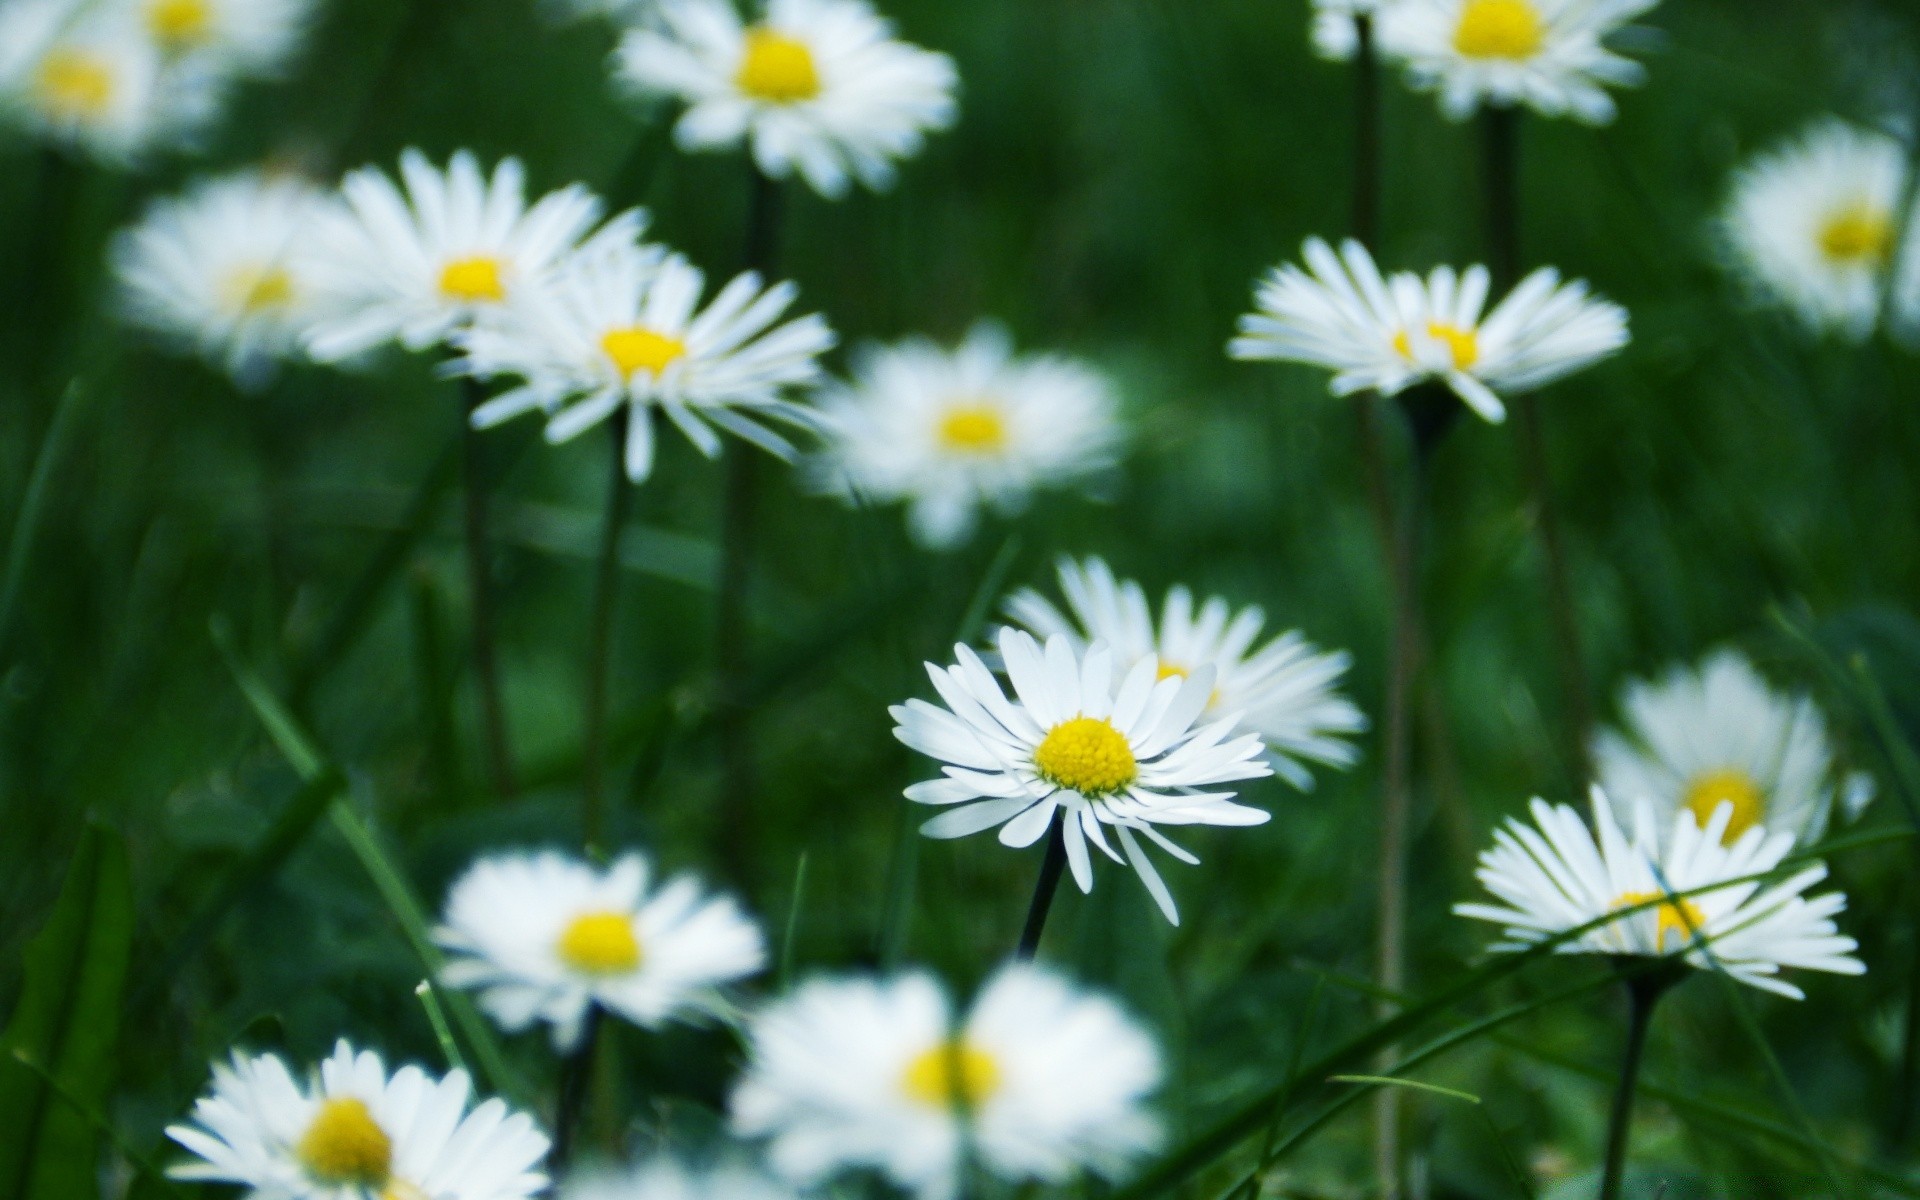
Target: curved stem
{"points": [[486, 664], [1643, 993], [1051, 868], [593, 784]]}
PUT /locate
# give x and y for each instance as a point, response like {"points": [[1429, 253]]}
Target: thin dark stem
{"points": [[1501, 146], [1643, 993], [1366, 134], [606, 582], [1051, 868], [576, 1077], [486, 664]]}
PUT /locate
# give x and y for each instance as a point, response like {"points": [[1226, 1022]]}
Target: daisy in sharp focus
{"points": [[1385, 334], [223, 268], [1720, 735], [353, 1132], [1285, 691], [1556, 876], [952, 432], [625, 328], [543, 938], [416, 261], [1072, 743], [820, 88], [1812, 226], [1549, 55], [1038, 1081]]}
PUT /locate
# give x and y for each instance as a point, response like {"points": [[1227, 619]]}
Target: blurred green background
{"points": [[1122, 171]]}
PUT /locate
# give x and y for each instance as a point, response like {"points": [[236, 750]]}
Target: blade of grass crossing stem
{"points": [[437, 1017], [306, 759], [26, 526], [1415, 1084], [793, 921]]}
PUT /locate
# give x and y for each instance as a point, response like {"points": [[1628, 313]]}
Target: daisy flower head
{"points": [[818, 88], [664, 1177], [1285, 691], [242, 37], [1812, 227], [544, 938], [1098, 747], [1387, 333], [625, 328], [354, 1132], [224, 268], [415, 261], [1550, 55], [1557, 875], [953, 431], [1718, 735], [1037, 1081]]}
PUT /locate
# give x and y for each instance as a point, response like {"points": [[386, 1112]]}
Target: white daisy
{"points": [[224, 268], [247, 37], [1558, 877], [355, 1133], [1285, 692], [1038, 1081], [417, 260], [665, 1178], [625, 327], [819, 87], [91, 76], [1549, 55], [1334, 37], [1718, 735], [954, 431], [1069, 742], [544, 937], [1385, 334], [1811, 225]]}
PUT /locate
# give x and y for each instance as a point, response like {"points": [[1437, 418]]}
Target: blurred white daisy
{"points": [[544, 938], [246, 37], [1333, 32], [223, 268], [818, 87], [1070, 742], [625, 328], [1555, 877], [1285, 691], [1385, 334], [91, 76], [1038, 1081], [353, 1133], [1718, 734], [417, 260], [1549, 55], [663, 1177], [954, 431], [1812, 225]]}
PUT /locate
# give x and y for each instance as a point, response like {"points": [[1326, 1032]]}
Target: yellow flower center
{"points": [[637, 348], [1171, 670], [179, 24], [254, 290], [473, 280], [74, 83], [1087, 755], [344, 1146], [1710, 789], [952, 1075], [776, 68], [1860, 235], [1682, 918], [1463, 344], [973, 429], [601, 943], [1509, 29]]}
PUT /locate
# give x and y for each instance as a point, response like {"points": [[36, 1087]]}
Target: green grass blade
{"points": [[437, 1017], [785, 976], [1413, 1084], [148, 1177], [26, 526]]}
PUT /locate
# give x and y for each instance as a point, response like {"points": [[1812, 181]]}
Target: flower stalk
{"points": [[480, 596], [1644, 990], [1044, 889], [606, 585]]}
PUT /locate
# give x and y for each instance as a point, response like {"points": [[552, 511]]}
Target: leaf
{"points": [[67, 1024]]}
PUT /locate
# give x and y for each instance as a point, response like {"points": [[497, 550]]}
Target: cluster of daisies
{"points": [[122, 79]]}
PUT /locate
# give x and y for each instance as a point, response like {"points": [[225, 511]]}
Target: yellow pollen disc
{"points": [[345, 1146], [601, 944], [973, 429], [1087, 755], [1463, 344], [1509, 29], [179, 24], [74, 83], [474, 280], [1170, 670], [1683, 919], [952, 1075], [637, 348], [254, 290], [1708, 790], [776, 68], [1858, 235]]}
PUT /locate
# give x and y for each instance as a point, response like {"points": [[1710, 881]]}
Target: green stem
{"points": [[486, 664], [1051, 867], [1643, 994], [606, 583]]}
